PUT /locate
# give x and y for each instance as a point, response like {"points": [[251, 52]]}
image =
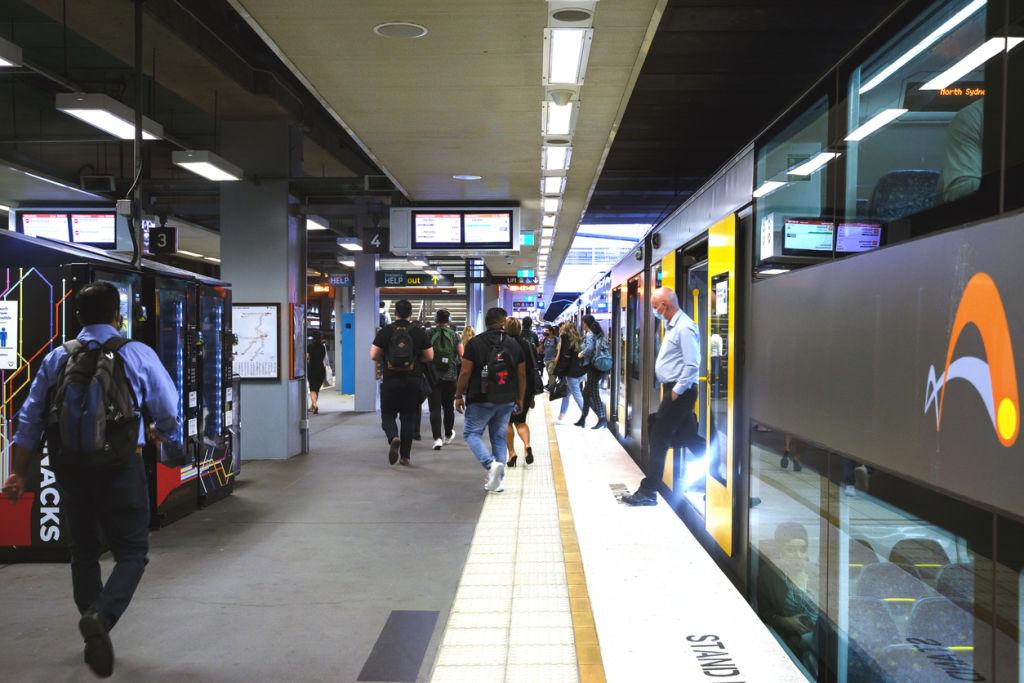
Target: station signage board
{"points": [[514, 280], [523, 305], [522, 288], [341, 280], [401, 278]]}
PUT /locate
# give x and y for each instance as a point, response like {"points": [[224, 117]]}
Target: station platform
{"points": [[336, 566]]}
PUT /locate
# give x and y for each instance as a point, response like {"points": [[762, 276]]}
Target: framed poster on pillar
{"points": [[297, 340], [258, 350]]}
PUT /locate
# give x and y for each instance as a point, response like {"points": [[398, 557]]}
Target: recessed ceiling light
{"points": [[467, 177], [400, 29]]}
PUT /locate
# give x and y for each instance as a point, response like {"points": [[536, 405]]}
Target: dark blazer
{"points": [[569, 364]]}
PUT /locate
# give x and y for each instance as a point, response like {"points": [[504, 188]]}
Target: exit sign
{"points": [[525, 272], [527, 239]]}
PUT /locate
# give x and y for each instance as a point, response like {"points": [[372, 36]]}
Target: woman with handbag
{"points": [[568, 369], [596, 358]]}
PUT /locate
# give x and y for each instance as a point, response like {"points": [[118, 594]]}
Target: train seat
{"points": [[956, 582], [903, 193], [871, 629], [926, 554], [862, 553], [898, 587], [941, 619], [906, 664]]}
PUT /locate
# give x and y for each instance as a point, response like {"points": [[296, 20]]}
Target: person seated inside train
{"points": [[961, 167], [783, 601]]}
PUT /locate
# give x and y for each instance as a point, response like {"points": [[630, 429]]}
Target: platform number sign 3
{"points": [[376, 241], [163, 240]]}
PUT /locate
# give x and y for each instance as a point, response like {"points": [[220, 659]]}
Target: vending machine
{"points": [[217, 461]]}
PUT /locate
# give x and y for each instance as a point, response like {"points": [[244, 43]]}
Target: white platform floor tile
{"points": [[469, 674], [543, 673]]}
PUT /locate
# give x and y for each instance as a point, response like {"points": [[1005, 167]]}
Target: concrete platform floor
{"points": [[290, 579]]}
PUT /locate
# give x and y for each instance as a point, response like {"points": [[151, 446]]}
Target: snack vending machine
{"points": [[216, 458]]}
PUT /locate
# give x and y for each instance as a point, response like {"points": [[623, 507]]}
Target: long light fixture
{"points": [[419, 263], [552, 204], [767, 187], [5, 208], [547, 232], [316, 224], [874, 123], [566, 53], [546, 242], [10, 54], [193, 254], [556, 157], [979, 56], [107, 114], [813, 164], [51, 181], [350, 243], [557, 119], [211, 258], [351, 263], [207, 164], [929, 40], [549, 220], [553, 185]]}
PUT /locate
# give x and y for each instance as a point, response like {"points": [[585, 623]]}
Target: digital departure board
{"points": [[491, 229], [96, 229], [852, 238], [52, 226], [437, 230], [807, 236]]}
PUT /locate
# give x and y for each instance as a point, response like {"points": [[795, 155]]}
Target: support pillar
{"points": [[366, 310], [263, 257]]}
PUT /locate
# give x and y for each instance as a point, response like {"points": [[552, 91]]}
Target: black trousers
{"points": [[674, 425], [400, 399], [442, 408], [592, 393], [117, 504]]}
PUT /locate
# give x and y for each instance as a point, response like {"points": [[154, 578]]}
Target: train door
{"points": [[614, 334], [634, 359], [692, 289]]}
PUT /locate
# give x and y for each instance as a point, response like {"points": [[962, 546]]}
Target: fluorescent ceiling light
{"points": [[874, 123], [555, 157], [547, 232], [551, 204], [50, 180], [418, 263], [466, 176], [211, 258], [351, 263], [549, 220], [767, 188], [773, 271], [567, 52], [813, 164], [107, 114], [928, 41], [543, 250], [350, 243], [190, 253], [558, 118], [10, 54], [982, 54], [4, 207], [435, 273], [207, 164], [546, 242], [553, 185], [314, 224]]}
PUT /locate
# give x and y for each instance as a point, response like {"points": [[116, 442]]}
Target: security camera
{"points": [[508, 260], [561, 96]]}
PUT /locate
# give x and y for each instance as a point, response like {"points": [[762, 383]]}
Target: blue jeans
{"points": [[574, 391], [491, 416]]}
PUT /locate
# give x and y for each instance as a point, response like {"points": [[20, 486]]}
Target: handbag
{"points": [[560, 389], [328, 375], [602, 356]]}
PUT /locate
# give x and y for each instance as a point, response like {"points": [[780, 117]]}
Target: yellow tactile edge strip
{"points": [[588, 649]]}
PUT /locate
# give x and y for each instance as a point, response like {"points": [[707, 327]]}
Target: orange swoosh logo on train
{"points": [[994, 377]]}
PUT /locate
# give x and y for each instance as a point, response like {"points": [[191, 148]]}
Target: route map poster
{"points": [[257, 326]]}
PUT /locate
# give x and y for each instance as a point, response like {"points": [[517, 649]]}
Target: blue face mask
{"points": [[658, 314]]}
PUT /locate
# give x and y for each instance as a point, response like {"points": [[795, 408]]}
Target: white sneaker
{"points": [[494, 478], [451, 437], [560, 420], [438, 443]]}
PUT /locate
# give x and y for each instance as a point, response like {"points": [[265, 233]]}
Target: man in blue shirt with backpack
{"points": [[492, 384], [87, 401]]}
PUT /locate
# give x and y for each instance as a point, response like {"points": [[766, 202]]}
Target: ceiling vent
{"points": [[98, 183], [377, 183], [572, 13], [400, 29]]}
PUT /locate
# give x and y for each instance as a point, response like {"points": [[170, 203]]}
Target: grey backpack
{"points": [[93, 420]]}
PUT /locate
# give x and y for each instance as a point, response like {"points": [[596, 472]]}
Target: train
{"points": [[855, 272]]}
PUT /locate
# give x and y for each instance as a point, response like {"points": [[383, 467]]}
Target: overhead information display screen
{"points": [[462, 229], [857, 237], [437, 230], [489, 228], [807, 236], [93, 228], [52, 226]]}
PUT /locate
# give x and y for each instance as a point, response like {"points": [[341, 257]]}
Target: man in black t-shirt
{"points": [[473, 395], [400, 347]]}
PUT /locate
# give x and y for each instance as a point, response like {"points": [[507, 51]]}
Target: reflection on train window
{"points": [[1014, 183], [1009, 587], [795, 227], [863, 576], [171, 304], [916, 129]]}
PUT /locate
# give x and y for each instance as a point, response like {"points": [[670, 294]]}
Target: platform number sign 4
{"points": [[163, 240], [376, 241]]}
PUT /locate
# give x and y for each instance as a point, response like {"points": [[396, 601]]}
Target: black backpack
{"points": [[93, 420], [401, 352], [498, 377]]}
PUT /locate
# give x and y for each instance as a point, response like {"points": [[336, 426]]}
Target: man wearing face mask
{"points": [[677, 370]]}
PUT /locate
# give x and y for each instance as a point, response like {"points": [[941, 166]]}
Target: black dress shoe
{"points": [[529, 455], [99, 652], [396, 445], [640, 498], [582, 422], [417, 437], [601, 424]]}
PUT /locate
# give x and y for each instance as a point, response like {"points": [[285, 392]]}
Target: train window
{"points": [[1009, 591], [791, 192], [864, 576], [1014, 183], [922, 133]]}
